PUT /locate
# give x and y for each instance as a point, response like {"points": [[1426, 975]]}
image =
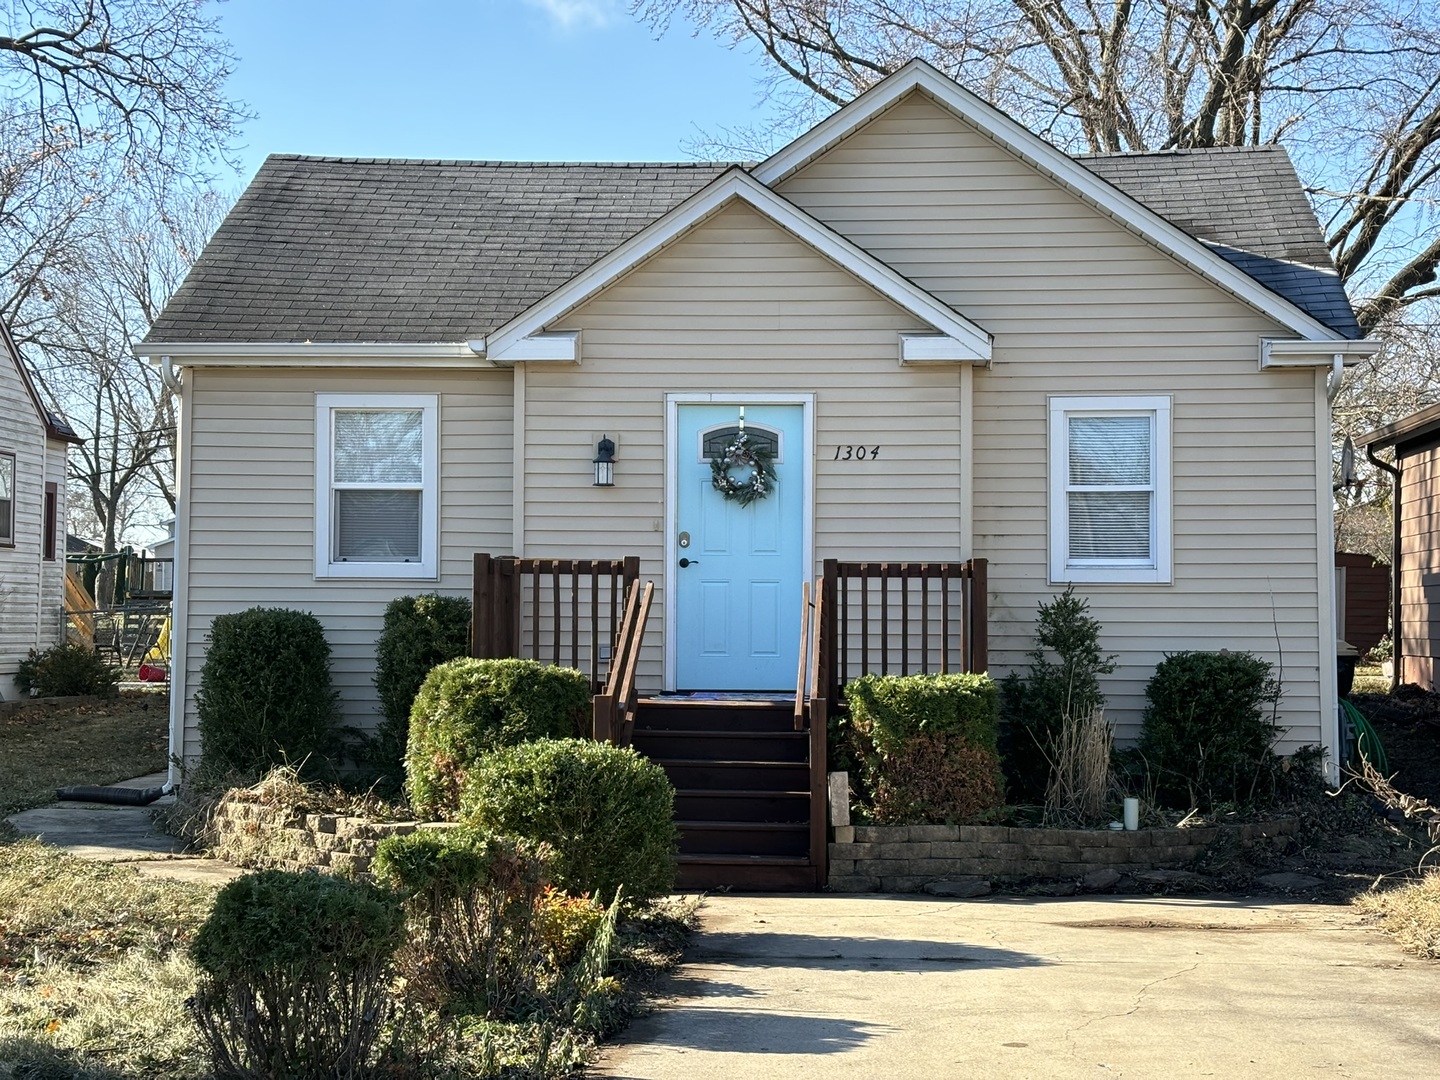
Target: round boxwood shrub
{"points": [[466, 708], [265, 696], [419, 632], [296, 975], [607, 813], [1206, 738]]}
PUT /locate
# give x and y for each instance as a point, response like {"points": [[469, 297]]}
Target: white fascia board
{"points": [[1055, 164], [1293, 354], [933, 349], [732, 185], [561, 346], [349, 354]]}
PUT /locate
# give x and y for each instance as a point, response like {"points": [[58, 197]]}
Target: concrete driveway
{"points": [[1005, 987]]}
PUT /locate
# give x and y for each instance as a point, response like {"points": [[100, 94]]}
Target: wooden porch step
{"points": [[695, 804], [768, 776], [744, 838], [761, 873], [723, 745], [685, 714]]}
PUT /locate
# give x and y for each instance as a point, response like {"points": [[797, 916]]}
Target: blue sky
{"points": [[503, 79]]}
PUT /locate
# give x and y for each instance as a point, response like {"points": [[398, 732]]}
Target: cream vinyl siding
{"points": [[251, 506], [31, 589], [1080, 306], [738, 305]]}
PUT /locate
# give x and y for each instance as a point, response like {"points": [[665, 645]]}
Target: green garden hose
{"points": [[1367, 743]]}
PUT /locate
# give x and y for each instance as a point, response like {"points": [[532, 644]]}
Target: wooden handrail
{"points": [[614, 707], [805, 623], [819, 736]]}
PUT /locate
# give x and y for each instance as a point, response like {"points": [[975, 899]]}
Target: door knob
{"points": [[686, 562]]}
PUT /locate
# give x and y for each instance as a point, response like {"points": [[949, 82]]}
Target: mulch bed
{"points": [[1408, 724]]}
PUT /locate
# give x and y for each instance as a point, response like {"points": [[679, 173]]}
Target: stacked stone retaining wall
{"points": [[257, 835], [907, 858]]}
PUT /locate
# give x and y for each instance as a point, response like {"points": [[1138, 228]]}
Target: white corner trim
{"points": [[1325, 597], [348, 354], [732, 185], [561, 346], [1290, 354], [933, 349], [1058, 166]]}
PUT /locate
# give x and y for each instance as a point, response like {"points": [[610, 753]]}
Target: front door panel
{"points": [[737, 601]]}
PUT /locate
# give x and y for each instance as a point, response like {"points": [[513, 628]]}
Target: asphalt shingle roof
{"points": [[382, 250]]}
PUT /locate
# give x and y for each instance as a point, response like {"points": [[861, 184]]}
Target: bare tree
{"points": [[1351, 87]]}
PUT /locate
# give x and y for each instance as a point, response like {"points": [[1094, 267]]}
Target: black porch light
{"points": [[605, 462]]}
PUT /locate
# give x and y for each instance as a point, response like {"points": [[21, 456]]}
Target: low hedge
{"points": [[68, 669], [926, 746], [607, 813], [466, 708]]}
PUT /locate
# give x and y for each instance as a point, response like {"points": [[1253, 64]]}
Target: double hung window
{"points": [[1110, 489], [7, 499], [376, 485]]}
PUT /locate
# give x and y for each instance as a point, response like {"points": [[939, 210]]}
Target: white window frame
{"points": [[8, 460], [1156, 570], [326, 405]]}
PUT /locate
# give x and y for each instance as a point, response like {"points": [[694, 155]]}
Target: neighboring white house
{"points": [[958, 341], [33, 444]]}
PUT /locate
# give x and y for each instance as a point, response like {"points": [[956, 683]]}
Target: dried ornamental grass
{"points": [[1409, 914], [1080, 772]]}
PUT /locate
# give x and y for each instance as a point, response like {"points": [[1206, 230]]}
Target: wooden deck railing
{"points": [[814, 639], [614, 708], [556, 611], [902, 618]]}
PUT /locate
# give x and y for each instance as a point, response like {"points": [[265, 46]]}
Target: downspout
{"points": [[1394, 563]]}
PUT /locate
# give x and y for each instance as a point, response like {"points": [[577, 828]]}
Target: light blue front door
{"points": [[738, 572]]}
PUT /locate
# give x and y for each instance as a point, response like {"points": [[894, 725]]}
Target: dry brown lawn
{"points": [[93, 741], [1409, 913]]}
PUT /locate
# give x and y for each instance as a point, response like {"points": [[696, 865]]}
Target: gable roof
{"points": [[1070, 173], [738, 185], [372, 250], [56, 426]]}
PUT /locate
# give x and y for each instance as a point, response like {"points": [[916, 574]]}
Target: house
{"points": [[1415, 564], [33, 444], [957, 346]]}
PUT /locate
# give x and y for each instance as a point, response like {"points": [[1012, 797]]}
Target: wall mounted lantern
{"points": [[605, 462]]}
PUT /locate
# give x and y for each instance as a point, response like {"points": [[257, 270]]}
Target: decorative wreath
{"points": [[742, 454]]}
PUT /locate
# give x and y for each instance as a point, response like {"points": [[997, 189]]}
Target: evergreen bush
{"points": [[419, 632], [926, 746], [265, 696], [296, 973], [466, 708], [1035, 707], [475, 941], [1206, 738], [66, 670], [606, 812]]}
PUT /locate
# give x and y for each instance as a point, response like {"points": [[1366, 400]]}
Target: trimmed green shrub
{"points": [[265, 697], [926, 746], [1206, 738], [296, 975], [419, 632], [1035, 707], [606, 812], [474, 941], [467, 708], [66, 670]]}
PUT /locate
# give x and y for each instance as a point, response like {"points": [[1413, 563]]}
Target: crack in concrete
{"points": [[1134, 1008]]}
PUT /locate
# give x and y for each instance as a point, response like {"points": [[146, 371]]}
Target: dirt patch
{"points": [[1408, 723], [55, 743]]}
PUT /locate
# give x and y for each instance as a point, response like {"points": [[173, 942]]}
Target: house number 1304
{"points": [[856, 453]]}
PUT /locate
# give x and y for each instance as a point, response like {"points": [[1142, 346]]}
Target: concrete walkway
{"points": [[120, 834], [884, 987]]}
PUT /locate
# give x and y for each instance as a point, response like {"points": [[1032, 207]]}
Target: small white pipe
{"points": [[1335, 379]]}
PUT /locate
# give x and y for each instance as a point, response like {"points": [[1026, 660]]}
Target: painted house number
{"points": [[856, 453]]}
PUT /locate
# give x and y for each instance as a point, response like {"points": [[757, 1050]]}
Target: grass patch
{"points": [[1369, 679], [93, 969], [1410, 914], [91, 742]]}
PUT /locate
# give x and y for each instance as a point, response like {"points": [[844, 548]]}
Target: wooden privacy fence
{"points": [[555, 611], [902, 618]]}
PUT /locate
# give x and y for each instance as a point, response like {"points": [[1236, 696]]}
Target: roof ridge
{"points": [[489, 163], [1181, 151]]}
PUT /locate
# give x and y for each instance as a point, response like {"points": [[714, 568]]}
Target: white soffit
{"points": [[1058, 166], [347, 354], [736, 184]]}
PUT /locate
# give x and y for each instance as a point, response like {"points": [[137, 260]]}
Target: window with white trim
{"points": [[1110, 489], [376, 485], [7, 499]]}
